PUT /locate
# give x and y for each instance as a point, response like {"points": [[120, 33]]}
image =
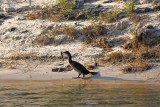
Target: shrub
{"points": [[70, 31], [93, 31], [134, 17], [136, 66], [44, 40], [129, 7], [54, 13], [109, 16], [117, 57]]}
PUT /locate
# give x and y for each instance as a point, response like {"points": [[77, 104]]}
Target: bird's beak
{"points": [[64, 53]]}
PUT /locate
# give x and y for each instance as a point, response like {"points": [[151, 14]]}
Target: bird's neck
{"points": [[70, 58]]}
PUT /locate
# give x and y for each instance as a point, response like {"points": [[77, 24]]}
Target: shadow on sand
{"points": [[99, 77]]}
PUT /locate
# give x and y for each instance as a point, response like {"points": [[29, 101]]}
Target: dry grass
{"points": [[109, 17], [93, 31], [137, 61], [144, 46], [101, 43], [134, 17], [133, 63], [117, 58], [54, 13], [67, 30], [21, 56], [143, 49], [9, 64], [44, 40], [45, 13], [70, 31], [147, 52], [129, 7], [136, 66]]}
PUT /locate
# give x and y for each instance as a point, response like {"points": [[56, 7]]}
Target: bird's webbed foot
{"points": [[79, 76]]}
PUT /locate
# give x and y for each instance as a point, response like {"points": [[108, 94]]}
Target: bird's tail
{"points": [[94, 73]]}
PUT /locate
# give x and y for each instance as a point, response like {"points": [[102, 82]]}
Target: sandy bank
{"points": [[44, 72], [18, 35]]}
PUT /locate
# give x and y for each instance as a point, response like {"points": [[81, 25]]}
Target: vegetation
{"points": [[101, 43], [140, 49], [138, 59], [134, 17], [129, 8], [70, 31], [61, 11], [93, 31], [109, 17], [44, 40], [136, 66]]}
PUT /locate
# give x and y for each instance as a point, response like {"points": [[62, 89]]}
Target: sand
{"points": [[18, 42], [44, 72]]}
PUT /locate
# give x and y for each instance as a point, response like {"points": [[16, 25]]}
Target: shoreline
{"points": [[23, 46], [44, 72]]}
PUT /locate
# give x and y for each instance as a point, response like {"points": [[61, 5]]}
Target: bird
{"points": [[77, 66]]}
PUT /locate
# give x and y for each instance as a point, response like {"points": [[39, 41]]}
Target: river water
{"points": [[79, 93]]}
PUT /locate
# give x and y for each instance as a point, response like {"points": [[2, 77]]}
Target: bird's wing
{"points": [[79, 67]]}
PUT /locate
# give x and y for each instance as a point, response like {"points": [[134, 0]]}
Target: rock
{"points": [[3, 16], [79, 3], [93, 11], [20, 17], [133, 1], [81, 15], [121, 15], [156, 8], [17, 38], [149, 27], [68, 68], [149, 1], [61, 69], [107, 1], [9, 9], [4, 37], [23, 8], [1, 22], [149, 37], [99, 5], [25, 31], [143, 10], [58, 69], [122, 24]]}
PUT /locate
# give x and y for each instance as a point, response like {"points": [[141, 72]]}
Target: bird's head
{"points": [[67, 53]]}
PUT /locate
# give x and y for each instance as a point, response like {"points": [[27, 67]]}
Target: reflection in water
{"points": [[78, 93]]}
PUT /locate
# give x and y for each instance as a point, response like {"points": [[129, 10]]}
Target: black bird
{"points": [[77, 66]]}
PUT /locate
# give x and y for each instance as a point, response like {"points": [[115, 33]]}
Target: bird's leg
{"points": [[83, 75], [79, 76]]}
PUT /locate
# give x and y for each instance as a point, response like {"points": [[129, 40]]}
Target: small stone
{"points": [[9, 9], [58, 69], [17, 38], [81, 15], [25, 31], [79, 3], [2, 16], [143, 10], [156, 8], [122, 25], [12, 29], [99, 5], [68, 68], [149, 27]]}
